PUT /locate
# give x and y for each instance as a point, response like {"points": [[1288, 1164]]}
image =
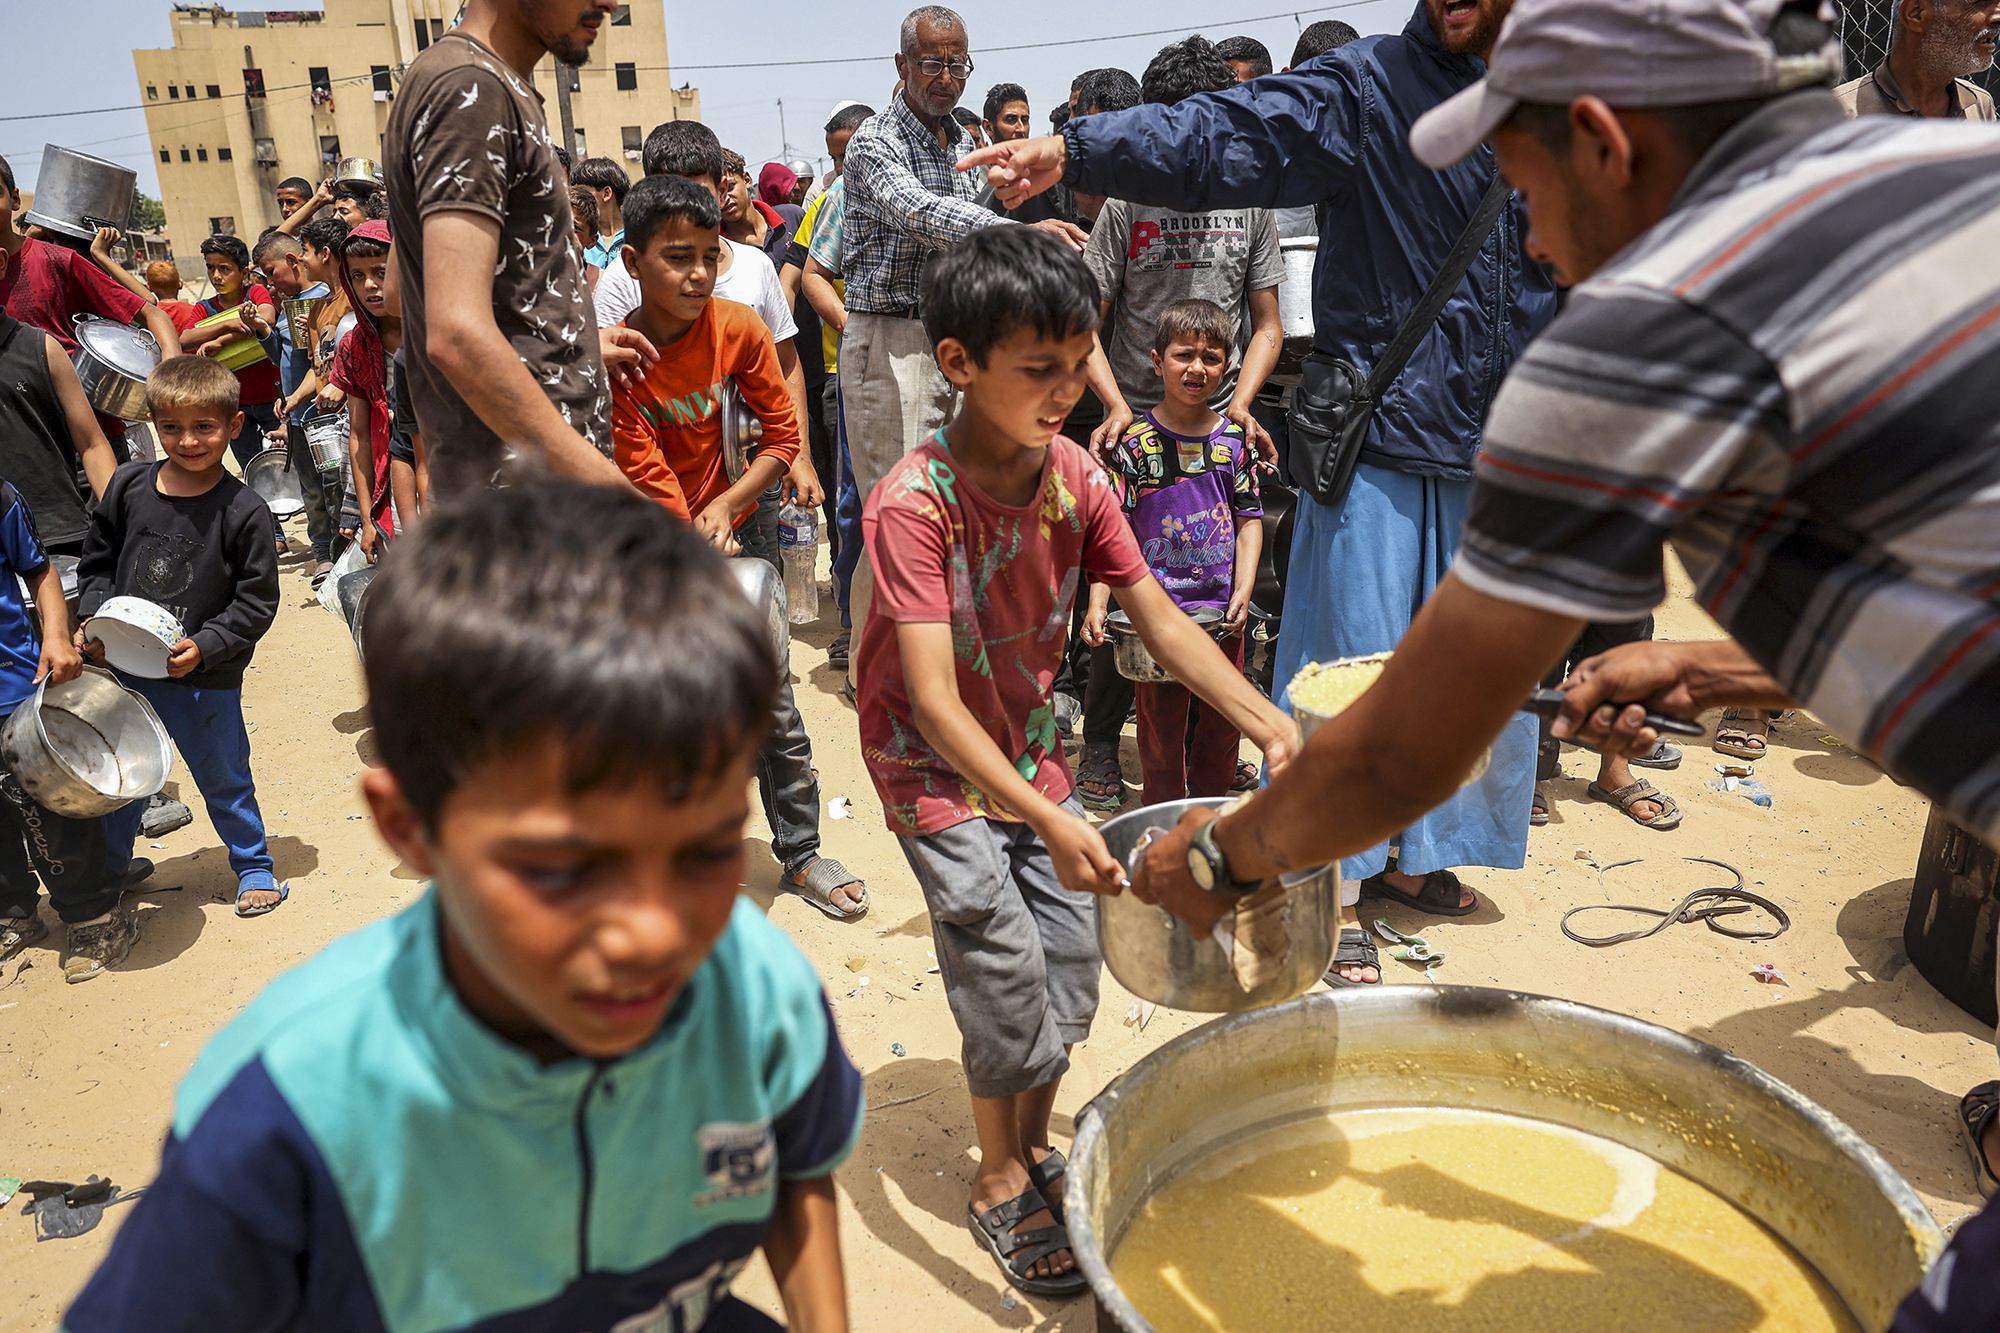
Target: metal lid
{"points": [[128, 350]]}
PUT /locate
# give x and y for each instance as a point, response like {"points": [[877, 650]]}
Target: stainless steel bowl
{"points": [[1153, 955], [87, 746], [113, 361], [270, 474], [1129, 652], [1714, 1118]]}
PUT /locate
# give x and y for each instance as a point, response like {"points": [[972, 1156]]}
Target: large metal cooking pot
{"points": [[1153, 955], [1714, 1118], [113, 361], [87, 746], [76, 193]]}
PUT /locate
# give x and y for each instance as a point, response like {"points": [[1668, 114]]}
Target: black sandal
{"points": [[1357, 949], [1438, 896], [1047, 1172], [1975, 1112], [1018, 1251]]}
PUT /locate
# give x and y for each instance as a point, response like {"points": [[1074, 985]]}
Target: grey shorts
{"points": [[1016, 950]]}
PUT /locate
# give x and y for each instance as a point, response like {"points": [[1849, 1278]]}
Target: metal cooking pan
{"points": [[113, 361], [270, 475], [76, 193], [357, 170]]}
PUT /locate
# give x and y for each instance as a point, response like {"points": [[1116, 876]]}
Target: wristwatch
{"points": [[1209, 868]]}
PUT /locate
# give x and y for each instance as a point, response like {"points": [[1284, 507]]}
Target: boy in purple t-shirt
{"points": [[1191, 498]]}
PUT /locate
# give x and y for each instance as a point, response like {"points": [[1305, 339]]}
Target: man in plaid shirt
{"points": [[906, 201]]}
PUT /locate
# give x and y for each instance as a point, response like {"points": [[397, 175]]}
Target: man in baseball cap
{"points": [[1778, 355]]}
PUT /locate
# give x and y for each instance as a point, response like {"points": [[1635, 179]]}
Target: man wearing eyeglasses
{"points": [[905, 202]]}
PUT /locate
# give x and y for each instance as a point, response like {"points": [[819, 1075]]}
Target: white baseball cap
{"points": [[1631, 53]]}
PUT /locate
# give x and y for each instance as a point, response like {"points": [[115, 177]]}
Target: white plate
{"points": [[130, 649]]}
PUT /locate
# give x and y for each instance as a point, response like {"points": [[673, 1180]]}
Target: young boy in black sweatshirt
{"points": [[186, 535]]}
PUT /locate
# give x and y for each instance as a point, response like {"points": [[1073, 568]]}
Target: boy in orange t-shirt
{"points": [[668, 431], [667, 436]]}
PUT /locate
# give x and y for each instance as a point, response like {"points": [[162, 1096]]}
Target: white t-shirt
{"points": [[750, 280]]}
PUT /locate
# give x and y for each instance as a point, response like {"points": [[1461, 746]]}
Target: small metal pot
{"points": [[741, 430], [113, 361], [1128, 650], [270, 475], [326, 441], [1153, 955], [76, 193], [357, 171], [86, 747]]}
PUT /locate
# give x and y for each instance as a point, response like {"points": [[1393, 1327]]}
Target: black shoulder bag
{"points": [[1333, 404]]}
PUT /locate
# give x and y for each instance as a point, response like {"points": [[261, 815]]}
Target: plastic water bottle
{"points": [[798, 540]]}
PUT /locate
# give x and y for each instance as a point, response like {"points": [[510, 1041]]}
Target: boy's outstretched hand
{"points": [[183, 658], [1020, 169], [60, 661], [1083, 863]]}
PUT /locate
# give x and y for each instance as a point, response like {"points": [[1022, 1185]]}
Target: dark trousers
{"points": [[1595, 639], [250, 441], [785, 779], [70, 856], [1187, 748]]}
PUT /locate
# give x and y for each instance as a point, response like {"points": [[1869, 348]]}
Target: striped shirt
{"points": [[906, 201], [1791, 378]]}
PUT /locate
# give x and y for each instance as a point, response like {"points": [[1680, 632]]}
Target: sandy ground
{"points": [[87, 1072]]}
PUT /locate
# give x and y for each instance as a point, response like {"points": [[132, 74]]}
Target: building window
{"points": [[173, 92], [224, 155], [317, 75], [267, 152], [380, 74], [152, 93], [581, 150], [215, 90], [423, 35], [184, 155], [633, 140], [201, 154], [166, 156], [627, 74], [437, 29], [622, 17], [222, 226], [190, 92], [329, 148]]}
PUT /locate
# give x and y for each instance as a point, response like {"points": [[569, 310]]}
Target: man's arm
{"points": [[1185, 650], [1681, 679], [803, 1247], [825, 301], [1118, 415], [1083, 863], [466, 345], [85, 435], [1260, 358], [1402, 748], [1277, 142]]}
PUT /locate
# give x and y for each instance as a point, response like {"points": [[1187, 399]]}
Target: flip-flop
{"points": [[284, 892], [1247, 777], [1100, 769], [1664, 757], [1975, 1112], [1538, 809], [1018, 1251], [1357, 949], [1634, 792], [823, 876], [1439, 895], [1735, 740]]}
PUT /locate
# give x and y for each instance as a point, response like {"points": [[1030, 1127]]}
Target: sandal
{"points": [[1047, 1172], [1747, 738], [1634, 792], [1975, 1112], [1664, 757], [822, 876], [837, 651], [1100, 785], [1439, 895], [1247, 777], [1538, 810], [1018, 1251], [284, 891], [1357, 949], [1637, 791]]}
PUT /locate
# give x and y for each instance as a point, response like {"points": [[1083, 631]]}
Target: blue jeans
{"points": [[846, 513], [207, 727]]}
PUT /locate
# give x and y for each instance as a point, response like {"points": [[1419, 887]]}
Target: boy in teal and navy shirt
{"points": [[580, 1081]]}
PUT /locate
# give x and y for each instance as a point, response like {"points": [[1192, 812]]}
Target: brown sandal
{"points": [[1641, 790], [1748, 737]]}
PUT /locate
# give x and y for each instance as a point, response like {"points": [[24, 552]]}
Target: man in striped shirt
{"points": [[1778, 356]]}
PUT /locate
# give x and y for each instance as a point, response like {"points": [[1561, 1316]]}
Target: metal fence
{"points": [[1864, 33]]}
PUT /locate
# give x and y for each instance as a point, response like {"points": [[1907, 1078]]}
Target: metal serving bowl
{"points": [[86, 747], [1153, 955], [1714, 1118]]}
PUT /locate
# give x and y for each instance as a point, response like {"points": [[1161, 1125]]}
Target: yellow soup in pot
{"points": [[1414, 1221]]}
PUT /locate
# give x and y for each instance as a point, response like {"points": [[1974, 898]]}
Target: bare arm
{"points": [[100, 251], [321, 197], [1456, 679], [789, 275], [1083, 863], [1185, 649], [60, 660], [1243, 579], [466, 344], [85, 435], [161, 326], [795, 377], [1676, 678], [825, 301], [1118, 417], [361, 461], [1260, 358], [803, 1247]]}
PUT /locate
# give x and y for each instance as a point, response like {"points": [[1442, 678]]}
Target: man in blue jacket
{"points": [[1335, 131]]}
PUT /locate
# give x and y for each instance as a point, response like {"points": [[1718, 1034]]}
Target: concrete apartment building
{"points": [[247, 98]]}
